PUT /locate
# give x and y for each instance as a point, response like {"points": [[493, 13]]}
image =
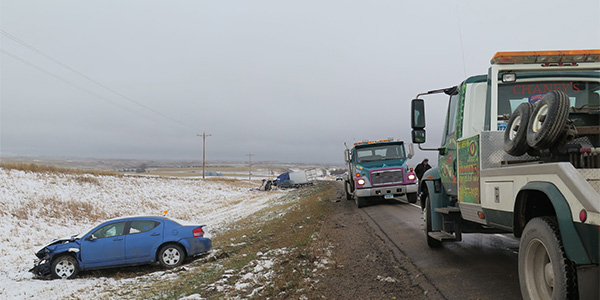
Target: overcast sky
{"points": [[285, 80]]}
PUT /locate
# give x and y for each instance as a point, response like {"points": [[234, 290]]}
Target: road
{"points": [[482, 266]]}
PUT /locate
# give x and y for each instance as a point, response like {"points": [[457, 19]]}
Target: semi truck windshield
{"points": [[376, 153]]}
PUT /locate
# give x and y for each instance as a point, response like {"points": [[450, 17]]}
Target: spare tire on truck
{"points": [[515, 136], [547, 124]]}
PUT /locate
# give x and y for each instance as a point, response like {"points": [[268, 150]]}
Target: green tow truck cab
{"points": [[521, 154], [378, 169]]}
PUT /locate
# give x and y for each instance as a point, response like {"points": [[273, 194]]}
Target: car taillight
{"points": [[198, 232]]}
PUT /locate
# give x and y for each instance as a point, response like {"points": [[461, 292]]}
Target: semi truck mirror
{"points": [[347, 155], [418, 136], [411, 151], [417, 114]]}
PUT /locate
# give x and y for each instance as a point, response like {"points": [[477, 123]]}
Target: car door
{"points": [[143, 240], [104, 246]]}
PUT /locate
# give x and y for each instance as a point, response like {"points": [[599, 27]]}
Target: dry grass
{"points": [[54, 207], [53, 170], [297, 230]]}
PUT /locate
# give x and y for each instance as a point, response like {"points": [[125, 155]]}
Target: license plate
{"points": [[388, 196]]}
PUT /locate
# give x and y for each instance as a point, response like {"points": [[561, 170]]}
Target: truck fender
{"points": [[569, 232], [437, 196]]}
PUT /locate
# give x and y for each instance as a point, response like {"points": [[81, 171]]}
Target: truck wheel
{"points": [[545, 272], [431, 242], [548, 121], [360, 201], [411, 197], [347, 190], [515, 136]]}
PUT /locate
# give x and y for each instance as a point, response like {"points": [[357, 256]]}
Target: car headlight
{"points": [[361, 181]]}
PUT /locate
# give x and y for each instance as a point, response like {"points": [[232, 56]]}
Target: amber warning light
{"points": [[547, 58]]}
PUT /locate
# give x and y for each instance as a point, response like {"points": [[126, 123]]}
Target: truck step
{"points": [[447, 210], [442, 236]]}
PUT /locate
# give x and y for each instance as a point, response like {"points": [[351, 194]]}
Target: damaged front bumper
{"points": [[41, 268]]}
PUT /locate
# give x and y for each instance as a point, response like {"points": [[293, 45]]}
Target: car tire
{"points": [[347, 190], [548, 122], [360, 201], [431, 242], [411, 197], [64, 267], [545, 272], [515, 136], [171, 256]]}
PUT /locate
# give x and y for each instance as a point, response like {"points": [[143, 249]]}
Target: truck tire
{"points": [[411, 197], [360, 201], [515, 136], [431, 242], [548, 121], [545, 272], [347, 190]]}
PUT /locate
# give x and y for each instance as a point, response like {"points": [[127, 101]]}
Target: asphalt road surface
{"points": [[482, 266]]}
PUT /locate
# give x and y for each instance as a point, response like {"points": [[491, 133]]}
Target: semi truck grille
{"points": [[387, 177]]}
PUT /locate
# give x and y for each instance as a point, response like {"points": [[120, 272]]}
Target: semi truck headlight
{"points": [[361, 181], [411, 177]]}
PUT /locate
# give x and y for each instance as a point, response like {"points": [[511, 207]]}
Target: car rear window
{"points": [[142, 226]]}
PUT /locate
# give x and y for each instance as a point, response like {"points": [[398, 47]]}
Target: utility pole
{"points": [[204, 135], [250, 165]]}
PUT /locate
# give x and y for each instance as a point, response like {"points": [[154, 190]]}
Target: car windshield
{"points": [[378, 153]]}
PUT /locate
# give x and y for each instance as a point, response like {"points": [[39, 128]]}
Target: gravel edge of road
{"points": [[415, 274]]}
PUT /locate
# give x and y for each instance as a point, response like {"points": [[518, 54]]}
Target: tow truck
{"points": [[378, 169], [520, 154]]}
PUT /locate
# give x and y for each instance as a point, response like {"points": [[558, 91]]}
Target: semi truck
{"points": [[296, 178], [378, 169], [520, 154]]}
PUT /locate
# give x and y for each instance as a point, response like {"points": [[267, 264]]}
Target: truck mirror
{"points": [[411, 151], [347, 155], [417, 114], [418, 136]]}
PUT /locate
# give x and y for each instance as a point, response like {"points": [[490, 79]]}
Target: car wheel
{"points": [[64, 267], [171, 256], [431, 242], [545, 272], [549, 120], [515, 136], [411, 197], [360, 201], [347, 190]]}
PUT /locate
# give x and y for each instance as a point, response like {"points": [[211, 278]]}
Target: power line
{"points": [[87, 77], [70, 83]]}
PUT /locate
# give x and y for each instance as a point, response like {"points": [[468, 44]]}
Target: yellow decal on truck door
{"points": [[468, 170]]}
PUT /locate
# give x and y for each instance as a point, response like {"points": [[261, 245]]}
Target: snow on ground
{"points": [[38, 207]]}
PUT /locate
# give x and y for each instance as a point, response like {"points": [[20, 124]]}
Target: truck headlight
{"points": [[361, 181], [411, 176]]}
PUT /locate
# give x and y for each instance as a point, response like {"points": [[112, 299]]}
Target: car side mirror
{"points": [[91, 237]]}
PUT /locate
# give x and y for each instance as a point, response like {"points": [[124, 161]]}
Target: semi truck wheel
{"points": [[431, 242], [549, 119], [347, 190], [360, 201], [515, 136], [545, 272], [411, 197]]}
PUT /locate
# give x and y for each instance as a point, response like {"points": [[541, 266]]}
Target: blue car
{"points": [[122, 242]]}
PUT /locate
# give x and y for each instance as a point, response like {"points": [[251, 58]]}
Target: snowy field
{"points": [[38, 207]]}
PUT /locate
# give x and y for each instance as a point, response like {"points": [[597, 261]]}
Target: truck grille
{"points": [[387, 177]]}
